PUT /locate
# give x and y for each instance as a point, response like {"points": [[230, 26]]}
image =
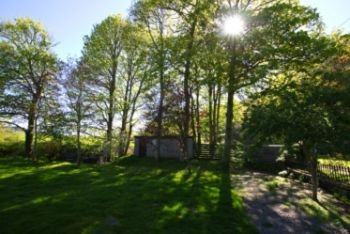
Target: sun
{"points": [[233, 25]]}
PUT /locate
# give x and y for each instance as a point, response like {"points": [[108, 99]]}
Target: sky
{"points": [[68, 21]]}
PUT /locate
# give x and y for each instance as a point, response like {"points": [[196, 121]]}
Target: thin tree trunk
{"points": [[109, 136], [125, 112], [35, 147], [229, 114], [214, 126], [161, 51], [312, 162], [187, 75], [211, 130], [187, 108], [127, 144], [193, 121], [133, 109], [30, 130], [122, 135], [160, 109], [219, 95], [199, 142], [78, 144], [112, 87]]}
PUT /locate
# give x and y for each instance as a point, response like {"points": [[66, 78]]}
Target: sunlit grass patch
{"points": [[325, 211], [275, 183]]}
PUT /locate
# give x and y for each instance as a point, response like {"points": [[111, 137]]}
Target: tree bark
{"points": [[312, 161], [219, 95], [198, 120], [193, 121], [110, 118], [160, 114], [187, 75], [29, 136], [211, 119], [78, 144], [229, 114]]}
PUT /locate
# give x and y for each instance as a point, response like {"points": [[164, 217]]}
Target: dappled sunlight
{"points": [[55, 165], [140, 195], [40, 199], [177, 210], [276, 203], [324, 211]]}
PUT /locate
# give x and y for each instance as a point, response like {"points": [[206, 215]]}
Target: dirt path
{"points": [[279, 205]]}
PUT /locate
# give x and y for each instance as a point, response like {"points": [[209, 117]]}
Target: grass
{"points": [[130, 196], [325, 211], [274, 184]]}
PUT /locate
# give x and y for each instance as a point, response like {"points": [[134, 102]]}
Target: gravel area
{"points": [[273, 203]]}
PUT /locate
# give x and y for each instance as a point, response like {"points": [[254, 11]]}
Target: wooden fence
{"points": [[206, 152], [335, 173]]}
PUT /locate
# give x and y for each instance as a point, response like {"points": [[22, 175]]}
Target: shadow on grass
{"points": [[130, 196]]}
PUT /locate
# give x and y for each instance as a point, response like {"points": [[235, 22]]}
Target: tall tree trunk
{"points": [[214, 127], [218, 106], [133, 110], [78, 144], [112, 87], [312, 161], [199, 142], [125, 111], [193, 121], [127, 144], [128, 139], [160, 109], [211, 120], [229, 114], [29, 136], [122, 135], [187, 108], [187, 75], [35, 146], [109, 136]]}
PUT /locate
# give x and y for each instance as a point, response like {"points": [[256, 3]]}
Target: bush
{"points": [[11, 142]]}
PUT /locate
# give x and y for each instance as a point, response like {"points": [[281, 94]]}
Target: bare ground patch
{"points": [[280, 205]]}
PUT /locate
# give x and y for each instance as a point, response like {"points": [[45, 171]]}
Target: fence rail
{"points": [[207, 153], [336, 173]]}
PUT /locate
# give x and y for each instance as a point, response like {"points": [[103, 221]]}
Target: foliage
{"points": [[336, 162], [27, 68], [11, 142]]}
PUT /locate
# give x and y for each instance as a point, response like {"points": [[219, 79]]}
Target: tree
{"points": [[309, 106], [133, 80], [27, 66], [101, 53], [278, 35], [156, 20], [192, 17], [76, 91]]}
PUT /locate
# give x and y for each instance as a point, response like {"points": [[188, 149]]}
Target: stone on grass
{"points": [[283, 173]]}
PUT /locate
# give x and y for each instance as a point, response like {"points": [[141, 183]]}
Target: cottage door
{"points": [[143, 147]]}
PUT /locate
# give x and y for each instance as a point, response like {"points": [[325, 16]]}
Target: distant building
{"points": [[170, 147]]}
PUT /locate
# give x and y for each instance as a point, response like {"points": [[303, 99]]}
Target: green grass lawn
{"points": [[130, 196]]}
